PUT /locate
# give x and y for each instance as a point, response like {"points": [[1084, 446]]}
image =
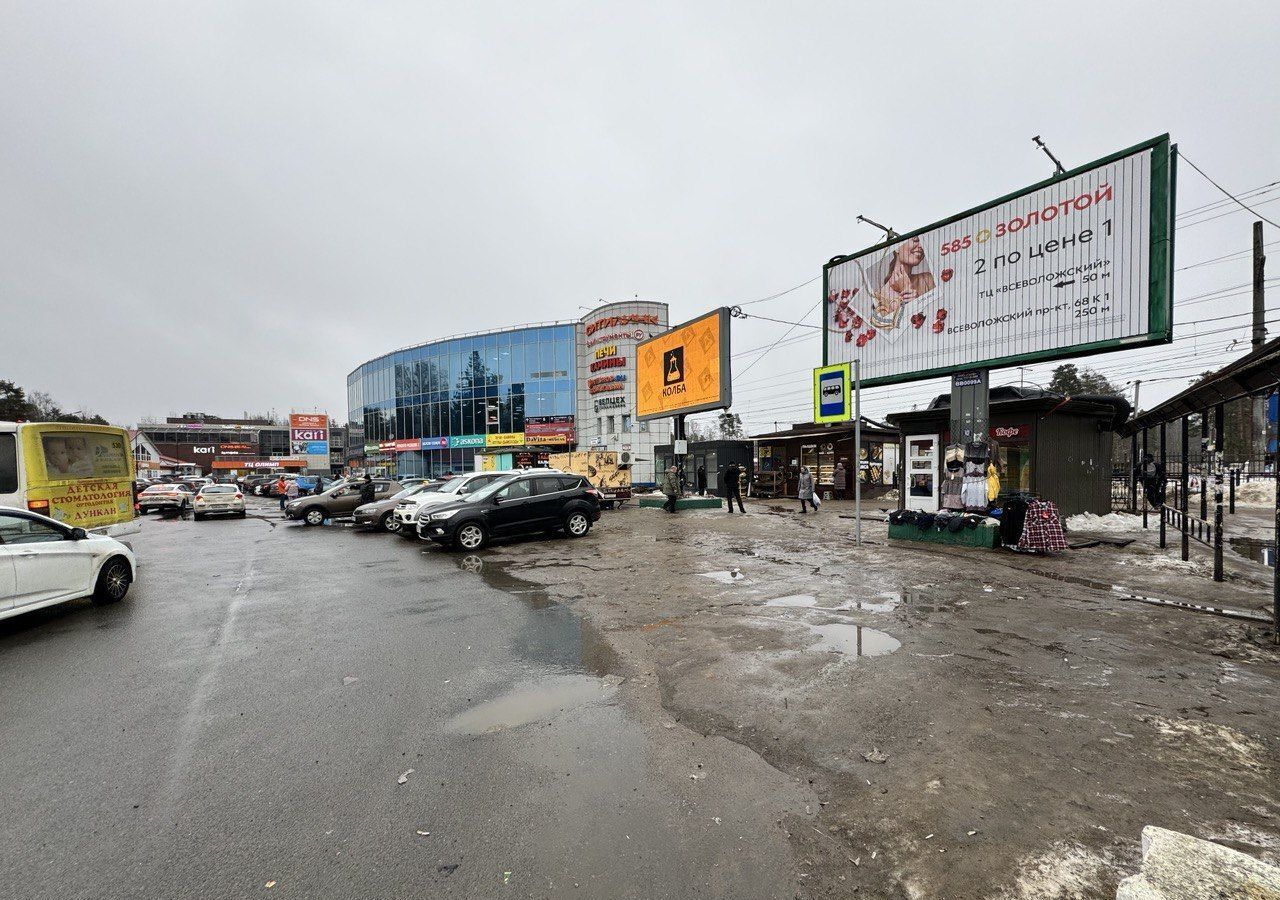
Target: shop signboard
{"points": [[435, 443], [1079, 263], [505, 439], [407, 445], [309, 436], [549, 429], [831, 394], [370, 448], [466, 440], [237, 448], [686, 369]]}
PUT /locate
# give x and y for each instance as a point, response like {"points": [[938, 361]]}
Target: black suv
{"points": [[528, 501]]}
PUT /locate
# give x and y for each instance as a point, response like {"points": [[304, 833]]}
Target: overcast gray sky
{"points": [[228, 206]]}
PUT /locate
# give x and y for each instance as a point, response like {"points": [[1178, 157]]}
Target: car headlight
{"points": [[441, 516]]}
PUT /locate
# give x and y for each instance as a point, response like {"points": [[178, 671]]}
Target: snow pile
{"points": [[1111, 523], [1261, 492]]}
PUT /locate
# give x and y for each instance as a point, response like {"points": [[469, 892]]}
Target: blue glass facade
{"points": [[472, 385]]}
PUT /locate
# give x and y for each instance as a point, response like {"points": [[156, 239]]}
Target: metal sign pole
{"points": [[857, 451]]}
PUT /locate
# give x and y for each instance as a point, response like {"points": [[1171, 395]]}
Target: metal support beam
{"points": [[1217, 533], [1133, 471], [1184, 485], [1164, 487], [1144, 462]]}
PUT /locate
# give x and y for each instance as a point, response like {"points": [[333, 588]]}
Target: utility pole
{"points": [[1137, 386], [1258, 410]]}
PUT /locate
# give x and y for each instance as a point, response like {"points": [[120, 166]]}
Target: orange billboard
{"points": [[686, 369]]}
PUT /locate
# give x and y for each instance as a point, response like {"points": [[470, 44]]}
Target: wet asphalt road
{"points": [[237, 726]]}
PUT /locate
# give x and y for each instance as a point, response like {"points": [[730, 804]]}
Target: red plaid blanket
{"points": [[1043, 528]]}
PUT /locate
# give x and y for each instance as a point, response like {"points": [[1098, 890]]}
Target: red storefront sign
{"points": [[404, 446], [549, 429]]}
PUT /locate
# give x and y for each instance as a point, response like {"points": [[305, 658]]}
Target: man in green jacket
{"points": [[670, 485]]}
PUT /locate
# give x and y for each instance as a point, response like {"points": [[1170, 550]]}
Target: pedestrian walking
{"points": [[841, 479], [367, 490], [733, 487], [701, 476], [805, 491], [280, 488], [292, 491], [670, 485]]}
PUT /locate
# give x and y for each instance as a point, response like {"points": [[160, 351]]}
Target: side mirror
{"points": [[79, 534]]}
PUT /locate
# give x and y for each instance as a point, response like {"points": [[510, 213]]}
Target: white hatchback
{"points": [[43, 562]]}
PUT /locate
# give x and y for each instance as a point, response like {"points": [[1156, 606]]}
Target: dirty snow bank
{"points": [[1257, 493], [1111, 522]]}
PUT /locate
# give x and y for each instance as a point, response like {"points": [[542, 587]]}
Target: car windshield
{"points": [[489, 490], [218, 489]]}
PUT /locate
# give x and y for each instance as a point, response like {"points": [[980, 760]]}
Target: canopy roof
{"points": [[1258, 371]]}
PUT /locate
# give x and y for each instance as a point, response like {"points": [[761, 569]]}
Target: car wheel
{"points": [[199, 517], [314, 516], [471, 536], [390, 524], [243, 513], [577, 524], [113, 581]]}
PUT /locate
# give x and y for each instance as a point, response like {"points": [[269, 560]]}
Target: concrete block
{"points": [[1180, 867]]}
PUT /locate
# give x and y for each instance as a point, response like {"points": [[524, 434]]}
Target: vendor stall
{"points": [[1041, 444], [828, 451]]}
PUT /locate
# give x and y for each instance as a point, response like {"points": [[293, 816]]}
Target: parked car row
{"points": [[466, 511], [207, 500]]}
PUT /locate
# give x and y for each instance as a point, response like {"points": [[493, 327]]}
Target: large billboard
{"points": [[1080, 263], [309, 437], [686, 369]]}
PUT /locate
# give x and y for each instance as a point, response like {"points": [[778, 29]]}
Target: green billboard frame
{"points": [[1164, 183]]}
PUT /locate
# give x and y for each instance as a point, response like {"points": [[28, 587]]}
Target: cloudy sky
{"points": [[226, 207]]}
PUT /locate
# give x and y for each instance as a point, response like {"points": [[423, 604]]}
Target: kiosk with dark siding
{"points": [[1057, 447]]}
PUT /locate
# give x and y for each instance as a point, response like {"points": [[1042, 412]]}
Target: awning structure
{"points": [[1258, 371]]}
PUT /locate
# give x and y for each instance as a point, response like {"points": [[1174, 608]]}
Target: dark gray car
{"points": [[337, 501], [378, 514]]}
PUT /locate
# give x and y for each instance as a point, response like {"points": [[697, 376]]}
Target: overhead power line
{"points": [[1225, 191]]}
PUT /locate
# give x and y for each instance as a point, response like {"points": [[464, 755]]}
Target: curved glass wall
{"points": [[474, 385]]}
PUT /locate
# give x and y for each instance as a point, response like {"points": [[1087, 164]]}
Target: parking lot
{"points": [[671, 705], [243, 721]]}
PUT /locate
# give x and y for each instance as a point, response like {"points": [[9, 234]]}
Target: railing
{"points": [[1200, 529]]}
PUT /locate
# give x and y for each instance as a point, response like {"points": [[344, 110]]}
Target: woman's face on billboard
{"points": [[911, 253]]}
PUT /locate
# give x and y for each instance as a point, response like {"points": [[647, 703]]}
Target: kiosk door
{"points": [[922, 472]]}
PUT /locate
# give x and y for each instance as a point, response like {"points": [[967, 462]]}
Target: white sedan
{"points": [[219, 498], [43, 562]]}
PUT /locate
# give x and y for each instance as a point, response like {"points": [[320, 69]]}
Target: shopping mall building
{"points": [[509, 397]]}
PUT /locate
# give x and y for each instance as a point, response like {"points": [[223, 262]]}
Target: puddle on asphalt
{"points": [[725, 576], [562, 653], [882, 603], [1253, 549], [532, 702], [852, 640]]}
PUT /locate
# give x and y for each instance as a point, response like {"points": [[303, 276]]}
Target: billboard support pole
{"points": [[857, 452]]}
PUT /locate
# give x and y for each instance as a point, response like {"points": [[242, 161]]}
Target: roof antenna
{"points": [[1057, 166], [889, 233]]}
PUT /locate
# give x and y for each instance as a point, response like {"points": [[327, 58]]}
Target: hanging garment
{"points": [[973, 493], [1012, 517], [951, 498], [993, 483], [1043, 528]]}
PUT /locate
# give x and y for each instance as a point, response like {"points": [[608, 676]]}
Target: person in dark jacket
{"points": [[701, 477], [671, 487], [367, 490], [841, 480], [733, 487]]}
